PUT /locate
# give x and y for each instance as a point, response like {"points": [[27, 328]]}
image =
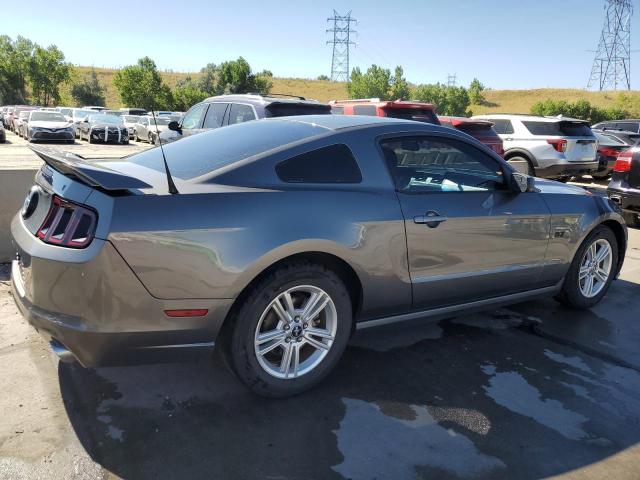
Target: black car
{"points": [[103, 128], [624, 187], [631, 126], [224, 110]]}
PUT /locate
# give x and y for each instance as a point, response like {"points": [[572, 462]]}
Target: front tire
{"points": [[592, 270], [289, 331]]}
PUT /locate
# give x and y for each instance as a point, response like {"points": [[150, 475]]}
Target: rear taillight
{"points": [[608, 152], [558, 145], [68, 224], [623, 162]]}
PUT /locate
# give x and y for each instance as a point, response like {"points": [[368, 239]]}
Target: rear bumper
{"points": [[98, 309], [567, 169]]}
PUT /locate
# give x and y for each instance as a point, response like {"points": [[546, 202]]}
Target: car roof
{"points": [[261, 99], [340, 122], [530, 118]]}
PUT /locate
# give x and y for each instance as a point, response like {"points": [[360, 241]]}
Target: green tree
{"points": [[448, 100], [375, 83], [475, 92], [47, 71], [580, 109], [187, 93], [141, 86], [208, 79], [88, 91], [399, 88], [323, 77], [236, 77], [15, 60]]}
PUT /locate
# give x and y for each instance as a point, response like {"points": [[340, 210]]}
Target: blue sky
{"points": [[505, 43]]}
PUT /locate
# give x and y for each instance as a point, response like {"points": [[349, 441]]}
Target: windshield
{"points": [[110, 119], [131, 118], [81, 113], [159, 121], [46, 117]]}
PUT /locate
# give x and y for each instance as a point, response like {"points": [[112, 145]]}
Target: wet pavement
{"points": [[529, 391]]}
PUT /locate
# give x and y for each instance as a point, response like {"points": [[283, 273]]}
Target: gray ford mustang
{"points": [[284, 235]]}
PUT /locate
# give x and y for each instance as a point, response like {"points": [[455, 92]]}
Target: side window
{"points": [[502, 126], [240, 113], [369, 110], [215, 115], [439, 165], [192, 117], [337, 110], [332, 164]]}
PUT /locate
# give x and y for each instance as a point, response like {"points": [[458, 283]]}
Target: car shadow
{"points": [[483, 395]]}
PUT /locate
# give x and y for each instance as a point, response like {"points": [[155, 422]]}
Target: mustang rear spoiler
{"points": [[74, 165]]}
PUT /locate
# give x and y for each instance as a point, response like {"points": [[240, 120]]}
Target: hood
{"points": [[46, 124], [551, 186]]}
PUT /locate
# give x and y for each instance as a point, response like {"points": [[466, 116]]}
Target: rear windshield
{"points": [[561, 129], [477, 129], [290, 109], [418, 114], [203, 153]]}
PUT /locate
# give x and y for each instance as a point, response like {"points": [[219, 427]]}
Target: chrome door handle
{"points": [[432, 219]]}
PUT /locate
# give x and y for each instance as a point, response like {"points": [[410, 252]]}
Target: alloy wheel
{"points": [[295, 332], [595, 268]]}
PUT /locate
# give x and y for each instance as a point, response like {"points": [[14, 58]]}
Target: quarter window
{"points": [[215, 115], [192, 118], [438, 165], [240, 113], [501, 126], [332, 164]]}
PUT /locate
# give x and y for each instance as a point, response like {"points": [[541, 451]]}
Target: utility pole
{"points": [[341, 42], [611, 68]]}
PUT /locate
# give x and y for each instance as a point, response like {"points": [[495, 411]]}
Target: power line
{"points": [[611, 68], [341, 42]]}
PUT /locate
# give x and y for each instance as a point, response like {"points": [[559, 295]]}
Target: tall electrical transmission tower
{"points": [[612, 66], [452, 80], [341, 42]]}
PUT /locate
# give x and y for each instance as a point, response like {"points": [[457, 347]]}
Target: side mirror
{"points": [[175, 126], [522, 183]]}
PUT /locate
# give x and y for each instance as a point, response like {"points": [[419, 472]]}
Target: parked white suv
{"points": [[548, 147]]}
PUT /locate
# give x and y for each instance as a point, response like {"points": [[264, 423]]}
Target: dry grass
{"points": [[509, 101]]}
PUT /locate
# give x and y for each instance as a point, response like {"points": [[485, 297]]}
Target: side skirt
{"points": [[443, 312]]}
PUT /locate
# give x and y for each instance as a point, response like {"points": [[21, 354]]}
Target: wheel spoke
{"points": [[274, 345], [588, 285], [286, 359], [315, 343], [602, 253], [296, 358], [601, 275], [318, 332], [584, 271], [591, 252], [319, 304], [288, 303], [270, 335], [280, 311]]}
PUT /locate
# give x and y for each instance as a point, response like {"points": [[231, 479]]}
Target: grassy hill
{"points": [[508, 101]]}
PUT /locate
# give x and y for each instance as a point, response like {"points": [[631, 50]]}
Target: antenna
{"points": [[172, 186], [612, 64], [341, 42]]}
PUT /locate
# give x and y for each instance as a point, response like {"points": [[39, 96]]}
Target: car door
{"points": [[192, 120], [469, 236], [214, 118]]}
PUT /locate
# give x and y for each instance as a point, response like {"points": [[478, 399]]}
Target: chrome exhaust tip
{"points": [[62, 352]]}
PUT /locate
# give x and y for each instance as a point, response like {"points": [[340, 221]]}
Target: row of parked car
{"points": [[93, 123], [558, 148]]}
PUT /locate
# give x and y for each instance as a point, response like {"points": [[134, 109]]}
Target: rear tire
{"points": [[521, 164], [301, 282], [575, 288]]}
